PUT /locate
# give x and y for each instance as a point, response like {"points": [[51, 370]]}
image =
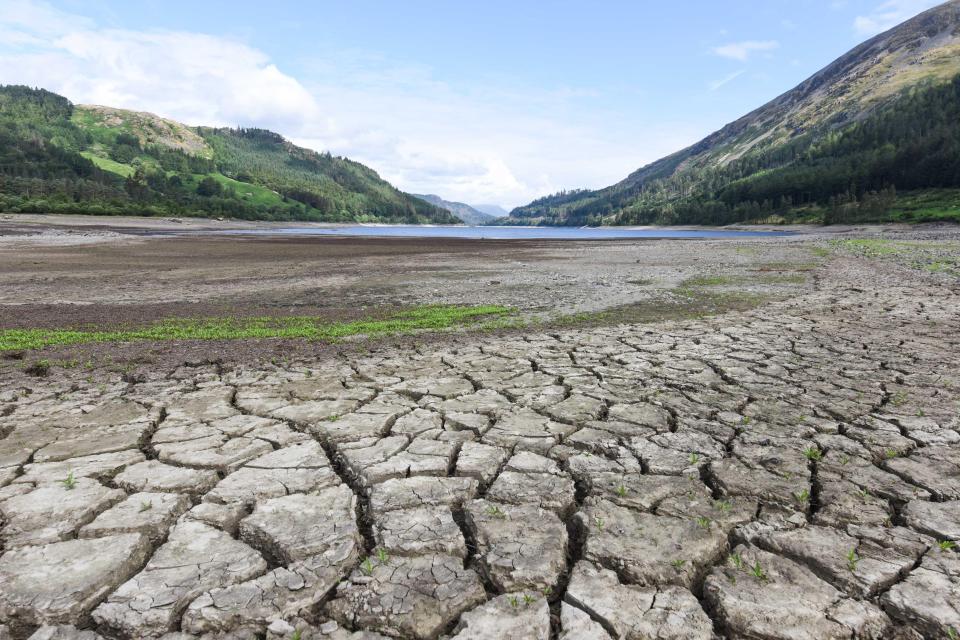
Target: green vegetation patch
{"points": [[433, 318], [934, 257]]}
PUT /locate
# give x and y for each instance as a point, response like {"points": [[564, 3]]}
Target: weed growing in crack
{"points": [[69, 482], [803, 497], [852, 560], [694, 458], [382, 556], [745, 421], [863, 493], [722, 505], [953, 634], [598, 522], [528, 599], [947, 545], [366, 566], [146, 505], [844, 459], [514, 602], [621, 490], [678, 563], [813, 453], [899, 398], [703, 522], [547, 591], [889, 454], [758, 572], [736, 560], [295, 635], [495, 512]]}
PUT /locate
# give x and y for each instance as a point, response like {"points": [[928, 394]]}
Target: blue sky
{"points": [[484, 102]]}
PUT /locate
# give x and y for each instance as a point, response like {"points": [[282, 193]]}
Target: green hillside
{"points": [[56, 157], [866, 139]]}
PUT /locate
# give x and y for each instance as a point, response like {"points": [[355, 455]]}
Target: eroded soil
{"points": [[792, 471]]}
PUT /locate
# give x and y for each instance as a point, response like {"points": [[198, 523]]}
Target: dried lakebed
{"points": [[789, 472]]}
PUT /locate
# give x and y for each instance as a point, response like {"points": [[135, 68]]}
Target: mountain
{"points": [[493, 210], [470, 215], [841, 146], [57, 157]]}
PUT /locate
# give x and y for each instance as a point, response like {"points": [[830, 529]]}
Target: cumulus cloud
{"points": [[492, 143], [743, 50], [889, 14]]}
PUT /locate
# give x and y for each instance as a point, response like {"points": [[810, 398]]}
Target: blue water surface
{"points": [[500, 233]]}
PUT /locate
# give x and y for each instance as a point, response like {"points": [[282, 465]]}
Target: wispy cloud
{"points": [[743, 50], [889, 14], [485, 142], [717, 84]]}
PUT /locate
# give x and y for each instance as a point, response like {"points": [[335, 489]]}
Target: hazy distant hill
{"points": [[881, 119], [56, 157], [494, 210], [470, 215]]}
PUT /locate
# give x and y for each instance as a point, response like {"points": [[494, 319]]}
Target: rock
{"points": [[54, 512], [421, 491], [148, 513], [927, 599], [226, 517], [298, 526], [63, 632], [280, 594], [99, 466], [519, 547], [526, 430], [414, 597], [418, 531], [648, 549], [195, 558], [629, 611], [549, 491], [518, 616], [155, 476], [60, 583], [939, 519], [577, 625], [786, 601]]}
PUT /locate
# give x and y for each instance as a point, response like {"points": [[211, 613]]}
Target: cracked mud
{"points": [[786, 473]]}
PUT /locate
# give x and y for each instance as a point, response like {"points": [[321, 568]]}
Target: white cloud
{"points": [[742, 50], [482, 143], [714, 86], [889, 14]]}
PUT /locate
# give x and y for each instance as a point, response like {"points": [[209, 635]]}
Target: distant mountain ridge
{"points": [[493, 210], [743, 171], [467, 213], [57, 157]]}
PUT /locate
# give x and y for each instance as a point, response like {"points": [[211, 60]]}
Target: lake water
{"points": [[500, 233]]}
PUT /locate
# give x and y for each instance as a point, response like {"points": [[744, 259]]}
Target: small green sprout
{"points": [[952, 633], [529, 599], [802, 496], [69, 482], [758, 572], [495, 512], [844, 459], [295, 635], [366, 566], [736, 560], [852, 559], [745, 420], [146, 505], [621, 490], [598, 521], [678, 563], [513, 601], [722, 505], [382, 556], [547, 590], [703, 522], [694, 458], [813, 453], [891, 453], [947, 545]]}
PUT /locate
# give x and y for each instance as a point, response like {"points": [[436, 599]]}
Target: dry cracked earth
{"points": [[791, 472]]}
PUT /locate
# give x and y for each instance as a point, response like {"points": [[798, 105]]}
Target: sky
{"points": [[484, 102]]}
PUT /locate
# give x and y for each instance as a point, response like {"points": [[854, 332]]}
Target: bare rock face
{"points": [[632, 612], [758, 594], [299, 526], [927, 599], [413, 597], [939, 519], [578, 625], [63, 632], [61, 583], [151, 514], [519, 547], [649, 549], [519, 616], [195, 558]]}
